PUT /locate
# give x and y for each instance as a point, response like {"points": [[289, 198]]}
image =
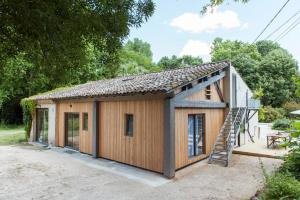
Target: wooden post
{"points": [[169, 139]]}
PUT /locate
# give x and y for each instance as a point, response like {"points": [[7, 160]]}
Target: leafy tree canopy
{"points": [[136, 58], [54, 33], [248, 68], [264, 66], [176, 62], [139, 46], [266, 46], [214, 3], [228, 50], [53, 43], [277, 72]]}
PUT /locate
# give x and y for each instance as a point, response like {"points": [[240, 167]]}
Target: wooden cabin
{"points": [[157, 121]]}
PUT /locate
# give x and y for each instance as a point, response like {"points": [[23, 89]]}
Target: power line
{"points": [[298, 22], [282, 25], [271, 21], [287, 29]]}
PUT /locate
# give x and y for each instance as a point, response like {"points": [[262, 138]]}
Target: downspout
{"points": [[96, 121]]}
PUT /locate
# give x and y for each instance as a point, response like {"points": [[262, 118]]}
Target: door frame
{"points": [[194, 134], [37, 125], [66, 130]]}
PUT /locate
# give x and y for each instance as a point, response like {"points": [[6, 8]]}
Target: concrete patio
{"points": [[29, 172], [259, 147]]}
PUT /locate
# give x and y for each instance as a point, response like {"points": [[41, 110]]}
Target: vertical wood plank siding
{"points": [[145, 148], [200, 96], [85, 137], [214, 119]]}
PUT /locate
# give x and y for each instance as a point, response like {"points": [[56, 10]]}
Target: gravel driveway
{"points": [[28, 172]]}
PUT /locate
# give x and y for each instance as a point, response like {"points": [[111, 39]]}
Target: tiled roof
{"points": [[146, 83]]}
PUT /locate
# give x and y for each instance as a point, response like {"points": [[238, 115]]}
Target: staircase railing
{"points": [[227, 120], [236, 125], [228, 134]]}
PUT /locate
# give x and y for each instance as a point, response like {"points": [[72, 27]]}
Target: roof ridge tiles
{"points": [[150, 82]]}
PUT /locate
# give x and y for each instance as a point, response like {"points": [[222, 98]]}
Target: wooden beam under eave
{"points": [[217, 84], [182, 95]]}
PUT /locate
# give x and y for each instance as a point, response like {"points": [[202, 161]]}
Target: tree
{"points": [[264, 66], [52, 43], [214, 3], [139, 46], [187, 61], [244, 57], [177, 62], [53, 34], [277, 71], [228, 50], [136, 58], [297, 83], [16, 81], [266, 46], [248, 68]]}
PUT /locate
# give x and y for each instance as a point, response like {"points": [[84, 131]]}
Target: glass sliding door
{"points": [[42, 125], [72, 130], [196, 139], [191, 143]]}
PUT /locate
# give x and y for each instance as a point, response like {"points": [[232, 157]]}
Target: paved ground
{"points": [[28, 172], [260, 145]]}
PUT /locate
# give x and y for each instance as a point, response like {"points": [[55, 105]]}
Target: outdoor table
{"points": [[273, 138]]}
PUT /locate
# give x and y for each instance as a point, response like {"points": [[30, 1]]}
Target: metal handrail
{"points": [[236, 128], [233, 125], [222, 129]]}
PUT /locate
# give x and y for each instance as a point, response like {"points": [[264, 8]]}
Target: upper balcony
{"points": [[253, 104]]}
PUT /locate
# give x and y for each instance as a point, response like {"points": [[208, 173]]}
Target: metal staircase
{"points": [[222, 149]]}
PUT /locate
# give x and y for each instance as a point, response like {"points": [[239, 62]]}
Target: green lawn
{"points": [[12, 135]]}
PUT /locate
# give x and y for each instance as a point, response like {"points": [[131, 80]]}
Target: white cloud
{"points": [[209, 22], [197, 48]]}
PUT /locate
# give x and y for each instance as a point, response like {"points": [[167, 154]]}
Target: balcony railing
{"points": [[253, 104]]}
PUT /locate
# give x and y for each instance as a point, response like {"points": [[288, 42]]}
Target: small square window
{"points": [[129, 125], [85, 120]]}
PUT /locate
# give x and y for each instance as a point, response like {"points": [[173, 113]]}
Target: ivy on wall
{"points": [[28, 105]]}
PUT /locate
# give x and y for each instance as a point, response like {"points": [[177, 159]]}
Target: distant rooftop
{"points": [[164, 81]]}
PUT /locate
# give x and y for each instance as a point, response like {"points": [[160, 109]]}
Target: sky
{"points": [[178, 28]]}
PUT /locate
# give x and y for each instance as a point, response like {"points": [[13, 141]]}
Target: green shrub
{"points": [[292, 163], [281, 186], [261, 114], [281, 124], [269, 114]]}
